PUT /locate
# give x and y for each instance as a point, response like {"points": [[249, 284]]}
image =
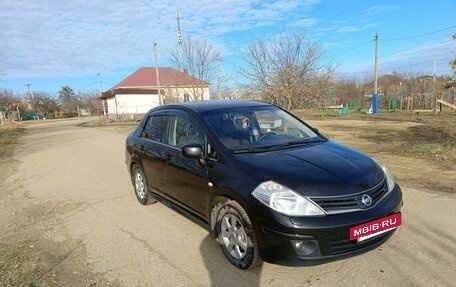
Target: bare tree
{"points": [[89, 100], [200, 58], [12, 105], [286, 69], [43, 104]]}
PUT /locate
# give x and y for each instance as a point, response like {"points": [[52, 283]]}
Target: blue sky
{"points": [[52, 43]]}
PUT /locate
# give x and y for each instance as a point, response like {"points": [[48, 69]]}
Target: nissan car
{"points": [[267, 185]]}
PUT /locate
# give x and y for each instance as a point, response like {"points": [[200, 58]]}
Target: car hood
{"points": [[322, 169]]}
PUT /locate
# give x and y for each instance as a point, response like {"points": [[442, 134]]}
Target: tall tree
{"points": [[286, 69], [68, 101], [200, 58]]}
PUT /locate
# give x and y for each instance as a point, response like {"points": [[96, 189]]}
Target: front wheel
{"points": [[140, 186], [236, 236]]}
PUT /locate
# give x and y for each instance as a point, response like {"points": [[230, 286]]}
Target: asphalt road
{"points": [[133, 245]]}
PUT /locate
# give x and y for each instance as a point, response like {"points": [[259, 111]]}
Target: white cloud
{"points": [[418, 59], [377, 10], [77, 37], [50, 38], [347, 29]]}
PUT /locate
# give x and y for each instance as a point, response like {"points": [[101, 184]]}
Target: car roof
{"points": [[211, 105]]}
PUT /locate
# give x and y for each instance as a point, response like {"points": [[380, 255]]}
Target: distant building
{"points": [[139, 92]]}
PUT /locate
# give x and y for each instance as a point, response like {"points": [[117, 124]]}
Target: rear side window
{"points": [[156, 128]]}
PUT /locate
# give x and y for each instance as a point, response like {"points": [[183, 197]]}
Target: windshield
{"points": [[255, 129]]}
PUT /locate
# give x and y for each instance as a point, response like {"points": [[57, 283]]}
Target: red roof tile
{"points": [[169, 77]]}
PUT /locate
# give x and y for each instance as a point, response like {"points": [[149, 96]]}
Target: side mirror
{"points": [[193, 151]]}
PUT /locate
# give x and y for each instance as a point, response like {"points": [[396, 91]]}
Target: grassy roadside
{"points": [[17, 266], [109, 122], [434, 139], [8, 136]]}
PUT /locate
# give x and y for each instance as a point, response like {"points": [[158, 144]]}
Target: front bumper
{"points": [[309, 241]]}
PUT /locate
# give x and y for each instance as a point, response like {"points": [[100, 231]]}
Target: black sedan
{"points": [[267, 185]]}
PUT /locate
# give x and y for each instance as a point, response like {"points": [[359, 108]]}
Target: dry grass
{"points": [[8, 136], [18, 268]]}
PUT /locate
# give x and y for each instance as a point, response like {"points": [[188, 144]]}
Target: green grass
{"points": [[17, 268], [8, 136], [434, 141], [17, 265]]}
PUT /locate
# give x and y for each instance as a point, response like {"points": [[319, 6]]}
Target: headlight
{"points": [[389, 176], [284, 200]]}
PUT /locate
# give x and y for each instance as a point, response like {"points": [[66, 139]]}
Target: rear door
{"points": [[153, 139]]}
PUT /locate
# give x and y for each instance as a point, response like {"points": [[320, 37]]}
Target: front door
{"points": [[185, 181]]}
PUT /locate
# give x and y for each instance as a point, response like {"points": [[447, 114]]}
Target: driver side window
{"points": [[185, 131]]}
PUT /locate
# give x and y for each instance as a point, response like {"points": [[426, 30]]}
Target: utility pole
{"points": [[179, 39], [101, 94], [28, 88], [17, 108], [219, 72], [160, 100], [435, 94], [375, 95]]}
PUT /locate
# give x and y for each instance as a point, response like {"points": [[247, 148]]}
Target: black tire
{"points": [[140, 186], [236, 236]]}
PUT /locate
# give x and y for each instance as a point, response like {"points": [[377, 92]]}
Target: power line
{"points": [[398, 67], [342, 12], [353, 48], [418, 36]]}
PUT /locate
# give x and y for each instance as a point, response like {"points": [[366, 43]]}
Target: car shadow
{"points": [[220, 271]]}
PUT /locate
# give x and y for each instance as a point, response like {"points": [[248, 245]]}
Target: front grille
{"points": [[341, 243], [353, 202]]}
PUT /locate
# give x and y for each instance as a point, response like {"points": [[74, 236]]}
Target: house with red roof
{"points": [[149, 87]]}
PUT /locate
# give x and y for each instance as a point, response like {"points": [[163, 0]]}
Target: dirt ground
{"points": [[67, 203]]}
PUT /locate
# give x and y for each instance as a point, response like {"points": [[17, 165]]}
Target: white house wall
{"points": [[179, 92], [123, 104]]}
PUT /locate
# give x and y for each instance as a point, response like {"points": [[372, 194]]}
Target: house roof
{"points": [[146, 77], [144, 81]]}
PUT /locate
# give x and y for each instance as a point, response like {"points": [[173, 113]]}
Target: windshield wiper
{"points": [[298, 142], [278, 146], [253, 150]]}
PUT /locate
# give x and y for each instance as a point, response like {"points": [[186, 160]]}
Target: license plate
{"points": [[375, 227]]}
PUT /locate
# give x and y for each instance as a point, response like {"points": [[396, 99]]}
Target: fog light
{"points": [[305, 247]]}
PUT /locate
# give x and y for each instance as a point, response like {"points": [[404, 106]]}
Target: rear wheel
{"points": [[236, 236], [140, 186]]}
